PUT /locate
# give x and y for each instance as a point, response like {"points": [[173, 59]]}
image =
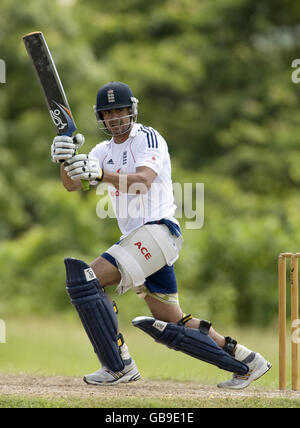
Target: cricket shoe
{"points": [[258, 366], [104, 376]]}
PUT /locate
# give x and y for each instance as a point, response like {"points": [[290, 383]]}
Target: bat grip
{"points": [[85, 185]]}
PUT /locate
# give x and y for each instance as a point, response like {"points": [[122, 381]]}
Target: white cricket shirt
{"points": [[144, 147]]}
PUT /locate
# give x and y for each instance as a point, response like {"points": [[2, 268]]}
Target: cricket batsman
{"points": [[135, 163]]}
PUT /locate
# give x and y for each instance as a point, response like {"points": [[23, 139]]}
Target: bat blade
{"points": [[48, 77]]}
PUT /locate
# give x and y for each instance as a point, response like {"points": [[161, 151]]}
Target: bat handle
{"points": [[85, 185]]}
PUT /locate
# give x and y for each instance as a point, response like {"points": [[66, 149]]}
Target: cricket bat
{"points": [[48, 76]]}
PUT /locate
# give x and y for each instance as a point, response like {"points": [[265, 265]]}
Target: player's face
{"points": [[117, 121]]}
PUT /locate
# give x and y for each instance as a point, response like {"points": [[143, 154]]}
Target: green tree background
{"points": [[214, 78]]}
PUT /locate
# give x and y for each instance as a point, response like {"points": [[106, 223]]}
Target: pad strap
{"points": [[204, 326], [120, 340], [185, 319], [230, 345], [115, 307]]}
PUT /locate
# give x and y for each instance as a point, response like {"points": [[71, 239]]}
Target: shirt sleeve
{"points": [[150, 149]]}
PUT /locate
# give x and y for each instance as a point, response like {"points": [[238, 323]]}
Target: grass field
{"points": [[58, 347]]}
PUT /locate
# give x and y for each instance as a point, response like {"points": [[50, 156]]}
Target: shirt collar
{"points": [[134, 130]]}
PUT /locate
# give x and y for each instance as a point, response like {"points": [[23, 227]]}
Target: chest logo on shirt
{"points": [[110, 162], [124, 161]]}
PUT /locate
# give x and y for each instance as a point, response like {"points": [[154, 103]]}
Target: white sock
{"points": [[241, 352]]}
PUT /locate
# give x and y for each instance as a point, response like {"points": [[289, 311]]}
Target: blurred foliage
{"points": [[214, 77]]}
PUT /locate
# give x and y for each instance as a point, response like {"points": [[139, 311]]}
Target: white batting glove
{"points": [[64, 148], [84, 167]]}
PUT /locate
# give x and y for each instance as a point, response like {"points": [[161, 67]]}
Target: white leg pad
{"points": [[144, 252]]}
